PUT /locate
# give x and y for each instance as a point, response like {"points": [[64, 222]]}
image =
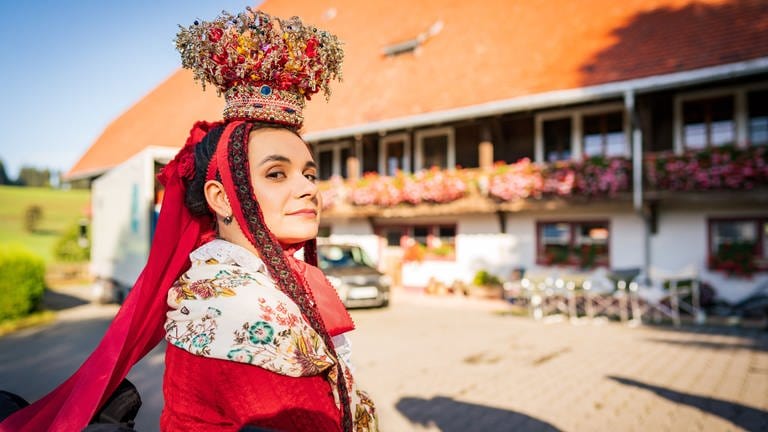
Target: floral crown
{"points": [[267, 68]]}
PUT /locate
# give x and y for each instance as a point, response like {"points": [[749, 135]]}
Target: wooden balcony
{"points": [[720, 176]]}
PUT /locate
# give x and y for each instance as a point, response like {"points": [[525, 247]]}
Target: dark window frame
{"points": [[759, 253], [432, 242], [604, 260]]}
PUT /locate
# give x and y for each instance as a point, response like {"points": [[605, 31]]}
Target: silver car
{"points": [[354, 276]]}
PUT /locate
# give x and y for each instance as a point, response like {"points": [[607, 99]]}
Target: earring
{"points": [[227, 220]]}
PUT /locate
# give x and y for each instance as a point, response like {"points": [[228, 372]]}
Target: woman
{"points": [[255, 336]]}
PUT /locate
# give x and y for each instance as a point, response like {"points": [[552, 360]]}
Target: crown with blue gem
{"points": [[266, 67]]}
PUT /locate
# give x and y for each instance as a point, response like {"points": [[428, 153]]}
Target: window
{"points": [[420, 234], [325, 164], [395, 151], [557, 139], [392, 236], [445, 241], [604, 135], [370, 154], [435, 152], [344, 154], [581, 132], [332, 159], [435, 148], [758, 117], [738, 246], [420, 242], [583, 244], [708, 122]]}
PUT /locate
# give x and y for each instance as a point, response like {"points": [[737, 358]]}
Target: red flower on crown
{"points": [[311, 49], [215, 34]]}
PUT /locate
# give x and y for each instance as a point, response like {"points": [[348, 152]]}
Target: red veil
{"points": [[137, 327]]}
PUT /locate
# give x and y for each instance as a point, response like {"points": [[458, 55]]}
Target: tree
{"points": [[4, 180], [34, 177]]}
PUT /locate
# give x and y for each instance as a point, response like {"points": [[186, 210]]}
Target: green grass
{"points": [[61, 209], [32, 320]]}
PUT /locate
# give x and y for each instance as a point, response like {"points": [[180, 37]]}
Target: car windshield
{"points": [[331, 256]]}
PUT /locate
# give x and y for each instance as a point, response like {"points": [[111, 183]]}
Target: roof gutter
{"points": [[80, 175], [553, 98]]}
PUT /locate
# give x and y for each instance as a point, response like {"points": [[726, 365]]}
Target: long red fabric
{"points": [[138, 325]]}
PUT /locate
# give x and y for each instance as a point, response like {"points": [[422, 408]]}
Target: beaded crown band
{"points": [[266, 67]]}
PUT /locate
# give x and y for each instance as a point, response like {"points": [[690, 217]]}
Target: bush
{"points": [[70, 247], [32, 216], [22, 282], [483, 278]]}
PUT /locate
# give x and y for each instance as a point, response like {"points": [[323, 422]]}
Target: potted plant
{"points": [[486, 285]]}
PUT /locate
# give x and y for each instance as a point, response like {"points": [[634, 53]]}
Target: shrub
{"points": [[32, 216], [483, 278], [22, 282], [70, 248]]}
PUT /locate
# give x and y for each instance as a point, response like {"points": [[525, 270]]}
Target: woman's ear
{"points": [[217, 198]]}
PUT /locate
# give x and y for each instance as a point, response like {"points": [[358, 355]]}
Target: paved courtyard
{"points": [[449, 364]]}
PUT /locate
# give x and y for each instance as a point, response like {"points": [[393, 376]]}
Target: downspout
{"points": [[637, 176]]}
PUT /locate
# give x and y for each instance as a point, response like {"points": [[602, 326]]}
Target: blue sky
{"points": [[69, 68]]}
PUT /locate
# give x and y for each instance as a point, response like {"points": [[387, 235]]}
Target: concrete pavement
{"points": [[452, 365]]}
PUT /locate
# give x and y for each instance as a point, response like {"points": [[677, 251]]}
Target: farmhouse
{"points": [[502, 135]]}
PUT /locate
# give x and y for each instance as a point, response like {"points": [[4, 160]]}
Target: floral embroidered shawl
{"points": [[227, 307]]}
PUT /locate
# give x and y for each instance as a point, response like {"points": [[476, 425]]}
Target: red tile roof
{"points": [[486, 51]]}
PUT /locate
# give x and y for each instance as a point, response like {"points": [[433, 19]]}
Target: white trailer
{"points": [[125, 203]]}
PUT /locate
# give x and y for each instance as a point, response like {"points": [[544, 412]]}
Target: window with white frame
{"points": [[582, 243], [603, 135], [394, 154], [723, 116], [557, 139], [738, 245], [332, 159], [709, 122], [757, 102], [592, 131], [435, 148]]}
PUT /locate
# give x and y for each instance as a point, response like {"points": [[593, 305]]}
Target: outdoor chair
{"points": [[547, 293], [662, 293], [603, 296]]}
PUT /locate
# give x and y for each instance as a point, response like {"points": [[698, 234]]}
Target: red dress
{"points": [[208, 394]]}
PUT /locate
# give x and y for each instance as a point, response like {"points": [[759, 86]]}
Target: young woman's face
{"points": [[284, 177]]}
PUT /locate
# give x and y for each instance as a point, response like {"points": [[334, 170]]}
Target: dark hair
{"points": [[194, 198]]}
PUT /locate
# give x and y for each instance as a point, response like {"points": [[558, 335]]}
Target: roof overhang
{"points": [[90, 174], [552, 98]]}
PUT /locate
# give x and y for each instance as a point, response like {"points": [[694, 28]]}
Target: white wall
{"points": [[480, 245], [681, 241], [627, 240]]}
